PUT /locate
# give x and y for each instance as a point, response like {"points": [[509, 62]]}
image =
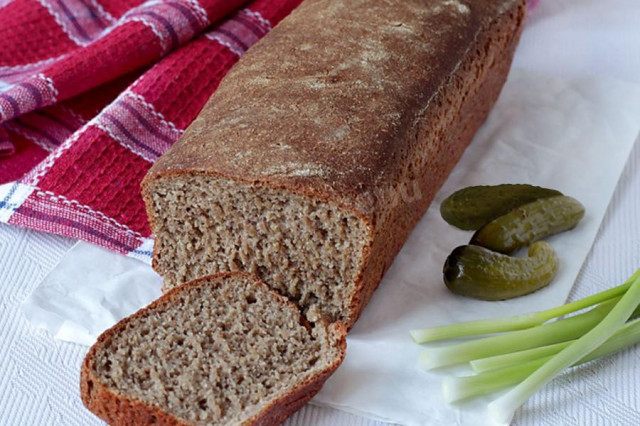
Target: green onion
{"points": [[503, 408], [518, 322], [554, 332], [506, 360], [459, 388]]}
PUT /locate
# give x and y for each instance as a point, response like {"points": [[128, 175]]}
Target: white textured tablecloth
{"points": [[39, 376]]}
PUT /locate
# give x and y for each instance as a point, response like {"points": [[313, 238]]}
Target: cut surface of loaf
{"points": [[325, 144], [221, 350]]}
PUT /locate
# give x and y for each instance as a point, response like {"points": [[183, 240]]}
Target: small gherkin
{"points": [[477, 272], [529, 223], [472, 207]]}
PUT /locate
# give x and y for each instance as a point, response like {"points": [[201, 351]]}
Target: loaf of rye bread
{"points": [[221, 350], [325, 144]]}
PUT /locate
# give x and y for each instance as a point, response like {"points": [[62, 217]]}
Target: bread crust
{"points": [[238, 132], [120, 410], [499, 41]]}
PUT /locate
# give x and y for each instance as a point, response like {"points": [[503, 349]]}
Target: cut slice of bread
{"points": [[220, 350]]}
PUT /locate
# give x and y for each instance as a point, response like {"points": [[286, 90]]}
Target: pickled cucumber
{"points": [[472, 207], [529, 223], [477, 272]]}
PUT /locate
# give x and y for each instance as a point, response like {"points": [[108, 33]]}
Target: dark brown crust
{"points": [[498, 41], [119, 410], [268, 99]]}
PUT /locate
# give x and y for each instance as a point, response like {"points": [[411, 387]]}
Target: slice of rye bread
{"points": [[219, 350]]}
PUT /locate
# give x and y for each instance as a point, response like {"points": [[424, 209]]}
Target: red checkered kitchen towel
{"points": [[92, 92]]}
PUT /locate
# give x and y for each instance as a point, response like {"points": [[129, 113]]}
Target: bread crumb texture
{"points": [[214, 353], [304, 248]]}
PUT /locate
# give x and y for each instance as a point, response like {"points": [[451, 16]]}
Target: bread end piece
{"points": [[133, 374]]}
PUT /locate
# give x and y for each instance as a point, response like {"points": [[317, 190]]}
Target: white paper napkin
{"points": [[90, 290], [572, 135]]}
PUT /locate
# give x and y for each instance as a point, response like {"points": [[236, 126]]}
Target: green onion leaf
{"points": [[547, 334], [459, 388], [503, 408], [518, 322]]}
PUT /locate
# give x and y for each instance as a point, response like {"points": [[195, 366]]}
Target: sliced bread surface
{"points": [[220, 350]]}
